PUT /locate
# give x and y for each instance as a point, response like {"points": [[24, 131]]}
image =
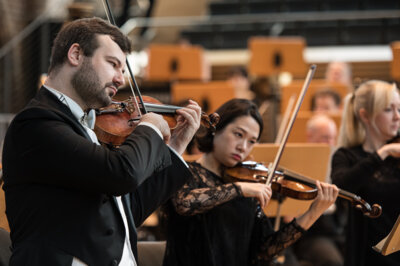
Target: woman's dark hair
{"points": [[84, 32], [228, 112]]}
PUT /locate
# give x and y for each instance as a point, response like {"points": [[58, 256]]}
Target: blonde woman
{"points": [[369, 166]]}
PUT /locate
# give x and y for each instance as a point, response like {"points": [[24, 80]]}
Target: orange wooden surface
{"points": [[3, 218], [265, 49], [188, 61], [298, 132], [317, 84], [304, 158], [214, 92], [395, 64]]}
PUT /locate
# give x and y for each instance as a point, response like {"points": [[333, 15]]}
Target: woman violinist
{"points": [[214, 222], [367, 165]]}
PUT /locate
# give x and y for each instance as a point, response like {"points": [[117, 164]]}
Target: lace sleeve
{"points": [[203, 193], [274, 243]]}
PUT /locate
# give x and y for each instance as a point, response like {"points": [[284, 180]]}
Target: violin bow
{"points": [[282, 145], [111, 19]]}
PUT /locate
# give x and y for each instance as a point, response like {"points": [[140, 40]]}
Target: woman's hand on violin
{"points": [[261, 192], [188, 122], [327, 194], [392, 149], [159, 122]]}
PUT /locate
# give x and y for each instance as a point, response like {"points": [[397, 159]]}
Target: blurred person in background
{"points": [[323, 243], [326, 100], [339, 72]]}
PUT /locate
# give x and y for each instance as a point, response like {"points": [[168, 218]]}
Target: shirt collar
{"points": [[87, 119]]}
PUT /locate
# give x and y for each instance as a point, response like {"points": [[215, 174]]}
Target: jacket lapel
{"points": [[49, 100]]}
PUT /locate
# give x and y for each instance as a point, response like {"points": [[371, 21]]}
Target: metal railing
{"points": [[281, 17], [26, 56]]}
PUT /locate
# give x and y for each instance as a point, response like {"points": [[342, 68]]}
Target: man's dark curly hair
{"points": [[84, 32]]}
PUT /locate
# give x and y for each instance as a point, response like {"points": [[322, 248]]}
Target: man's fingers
{"points": [[189, 115]]}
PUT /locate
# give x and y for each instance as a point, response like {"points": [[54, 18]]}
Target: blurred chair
{"points": [[298, 133], [177, 62], [272, 56], [315, 85], [151, 253], [5, 245], [3, 217], [308, 159], [395, 64], [209, 95]]}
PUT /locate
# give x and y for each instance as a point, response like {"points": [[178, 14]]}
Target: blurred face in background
{"points": [[338, 72], [326, 103], [322, 129]]}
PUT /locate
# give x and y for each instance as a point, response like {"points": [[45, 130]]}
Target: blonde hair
{"points": [[373, 96]]}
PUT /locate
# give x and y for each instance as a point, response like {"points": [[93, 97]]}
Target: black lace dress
{"points": [[375, 181], [210, 223]]}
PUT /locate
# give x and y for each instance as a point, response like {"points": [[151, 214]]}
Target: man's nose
{"points": [[119, 78]]}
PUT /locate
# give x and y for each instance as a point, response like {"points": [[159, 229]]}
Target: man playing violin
{"points": [[213, 221], [69, 200]]}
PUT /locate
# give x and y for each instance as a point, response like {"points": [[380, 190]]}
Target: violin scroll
{"points": [[372, 212], [376, 211], [210, 121]]}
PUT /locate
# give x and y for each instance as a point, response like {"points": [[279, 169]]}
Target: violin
{"points": [[114, 123], [291, 184]]}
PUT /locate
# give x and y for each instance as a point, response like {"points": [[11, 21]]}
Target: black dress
{"points": [[375, 181], [219, 226]]}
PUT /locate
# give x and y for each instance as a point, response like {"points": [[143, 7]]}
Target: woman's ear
{"points": [[364, 115]]}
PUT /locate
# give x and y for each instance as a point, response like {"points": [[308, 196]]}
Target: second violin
{"points": [[293, 185]]}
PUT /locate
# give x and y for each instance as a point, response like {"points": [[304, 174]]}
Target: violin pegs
{"points": [[214, 119]]}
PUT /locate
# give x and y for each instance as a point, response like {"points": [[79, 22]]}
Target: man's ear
{"points": [[75, 55]]}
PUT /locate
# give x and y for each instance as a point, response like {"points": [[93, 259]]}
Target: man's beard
{"points": [[87, 85]]}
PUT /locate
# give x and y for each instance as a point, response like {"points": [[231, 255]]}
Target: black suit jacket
{"points": [[60, 187]]}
